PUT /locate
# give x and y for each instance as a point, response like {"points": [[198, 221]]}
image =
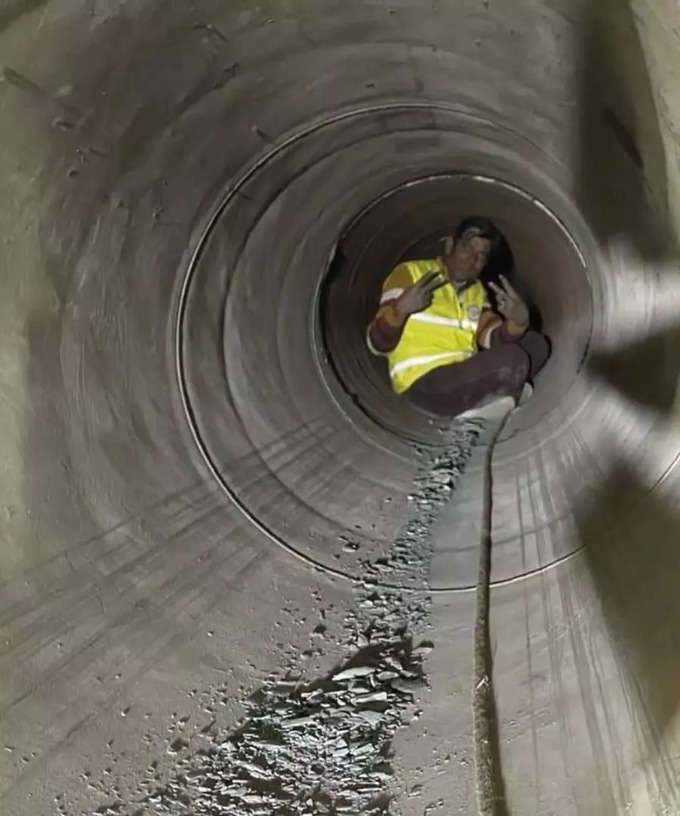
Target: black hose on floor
{"points": [[490, 786]]}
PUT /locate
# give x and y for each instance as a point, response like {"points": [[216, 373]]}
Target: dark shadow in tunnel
{"points": [[631, 538], [629, 533], [643, 371], [621, 153]]}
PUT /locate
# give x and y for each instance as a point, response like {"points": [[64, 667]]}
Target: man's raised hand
{"points": [[419, 296], [509, 302]]}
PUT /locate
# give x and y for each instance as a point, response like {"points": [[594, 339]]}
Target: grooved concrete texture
{"points": [[131, 583]]}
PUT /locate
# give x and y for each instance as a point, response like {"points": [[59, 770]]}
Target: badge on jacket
{"points": [[474, 312]]}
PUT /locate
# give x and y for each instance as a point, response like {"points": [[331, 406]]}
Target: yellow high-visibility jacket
{"points": [[446, 332]]}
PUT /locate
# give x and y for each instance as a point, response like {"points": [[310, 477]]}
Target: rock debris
{"points": [[324, 746]]}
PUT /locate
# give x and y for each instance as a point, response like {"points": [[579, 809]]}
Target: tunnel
{"points": [[204, 470]]}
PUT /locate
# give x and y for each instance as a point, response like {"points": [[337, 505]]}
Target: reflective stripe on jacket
{"points": [[443, 333]]}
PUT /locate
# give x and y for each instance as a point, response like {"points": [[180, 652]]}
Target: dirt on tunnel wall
{"points": [[188, 491]]}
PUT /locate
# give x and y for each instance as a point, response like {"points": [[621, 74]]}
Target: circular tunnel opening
{"points": [[409, 222], [270, 345]]}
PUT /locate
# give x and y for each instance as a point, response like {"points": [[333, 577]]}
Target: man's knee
{"points": [[514, 365], [537, 346]]}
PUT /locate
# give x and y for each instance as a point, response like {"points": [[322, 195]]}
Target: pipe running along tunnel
{"points": [[200, 205]]}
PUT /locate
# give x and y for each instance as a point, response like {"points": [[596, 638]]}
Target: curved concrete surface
{"points": [[199, 203]]}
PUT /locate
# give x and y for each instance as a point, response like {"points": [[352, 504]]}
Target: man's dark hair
{"points": [[484, 228]]}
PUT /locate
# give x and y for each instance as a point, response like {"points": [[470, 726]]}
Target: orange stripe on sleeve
{"points": [[488, 323]]}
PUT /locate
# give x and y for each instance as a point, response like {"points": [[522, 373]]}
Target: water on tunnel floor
{"points": [[194, 469]]}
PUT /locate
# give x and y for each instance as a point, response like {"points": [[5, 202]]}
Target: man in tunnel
{"points": [[448, 351]]}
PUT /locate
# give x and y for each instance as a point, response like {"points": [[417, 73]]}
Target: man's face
{"points": [[468, 257]]}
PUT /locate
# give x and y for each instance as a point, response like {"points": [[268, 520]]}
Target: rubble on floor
{"points": [[324, 746]]}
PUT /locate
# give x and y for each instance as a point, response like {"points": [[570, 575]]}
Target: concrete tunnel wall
{"points": [[131, 582]]}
